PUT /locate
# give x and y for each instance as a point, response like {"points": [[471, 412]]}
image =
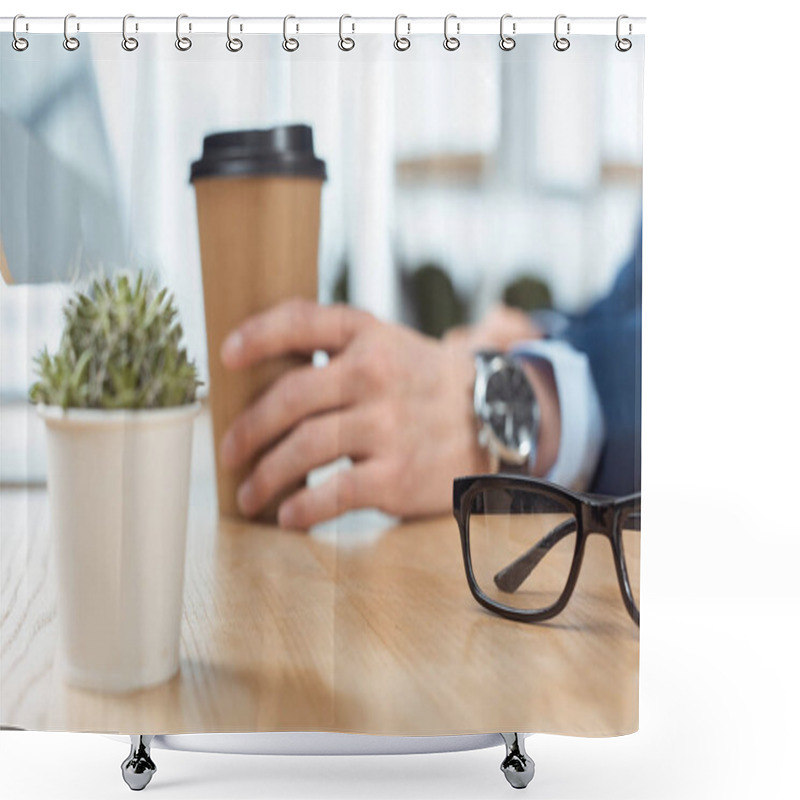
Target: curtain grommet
{"points": [[507, 43], [451, 43], [182, 43], [233, 44], [128, 43], [71, 43], [346, 43], [19, 43], [623, 44], [401, 43], [289, 44], [561, 43]]}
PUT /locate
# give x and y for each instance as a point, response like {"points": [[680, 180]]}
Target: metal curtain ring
{"points": [[507, 42], [346, 43], [561, 43], [289, 44], [233, 44], [70, 42], [451, 42], [183, 43], [401, 43], [129, 43], [18, 43], [623, 45]]}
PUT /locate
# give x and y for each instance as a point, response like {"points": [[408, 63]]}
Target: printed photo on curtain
{"points": [[320, 369]]}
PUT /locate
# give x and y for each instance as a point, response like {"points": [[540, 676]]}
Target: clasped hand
{"points": [[398, 403]]}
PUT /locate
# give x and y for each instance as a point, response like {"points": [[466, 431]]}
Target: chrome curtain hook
{"points": [[129, 43], [183, 43], [623, 45], [233, 44], [401, 43], [18, 43], [451, 42], [507, 42], [561, 43], [346, 43], [290, 44], [70, 42]]}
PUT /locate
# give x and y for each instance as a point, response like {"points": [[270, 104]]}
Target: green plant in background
{"points": [[121, 348], [341, 289], [435, 301], [528, 294]]}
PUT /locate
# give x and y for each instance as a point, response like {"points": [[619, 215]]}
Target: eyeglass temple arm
{"points": [[510, 578]]}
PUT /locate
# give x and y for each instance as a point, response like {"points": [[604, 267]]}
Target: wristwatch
{"points": [[507, 412]]}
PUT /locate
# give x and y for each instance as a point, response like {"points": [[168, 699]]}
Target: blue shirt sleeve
{"points": [[610, 334]]}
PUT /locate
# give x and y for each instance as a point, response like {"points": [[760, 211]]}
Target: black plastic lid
{"points": [[285, 150]]}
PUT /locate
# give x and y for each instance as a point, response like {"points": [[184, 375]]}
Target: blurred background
{"points": [[456, 180]]}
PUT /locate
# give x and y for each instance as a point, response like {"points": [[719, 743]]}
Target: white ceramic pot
{"points": [[118, 485]]}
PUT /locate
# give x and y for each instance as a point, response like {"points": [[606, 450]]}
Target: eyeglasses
{"points": [[523, 541]]}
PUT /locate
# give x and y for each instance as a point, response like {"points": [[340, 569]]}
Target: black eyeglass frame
{"points": [[593, 514]]}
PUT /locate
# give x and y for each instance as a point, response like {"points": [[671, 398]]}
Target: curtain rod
{"points": [[408, 26]]}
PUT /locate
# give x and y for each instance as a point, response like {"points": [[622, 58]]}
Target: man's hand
{"points": [[501, 327], [398, 403]]}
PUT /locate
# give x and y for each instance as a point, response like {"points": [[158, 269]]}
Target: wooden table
{"points": [[337, 631]]}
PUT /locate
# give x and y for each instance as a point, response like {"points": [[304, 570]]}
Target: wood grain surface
{"points": [[339, 630]]}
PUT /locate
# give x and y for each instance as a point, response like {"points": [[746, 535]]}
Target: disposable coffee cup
{"points": [[258, 198]]}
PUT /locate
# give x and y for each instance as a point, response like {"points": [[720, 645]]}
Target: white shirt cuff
{"points": [[582, 429]]}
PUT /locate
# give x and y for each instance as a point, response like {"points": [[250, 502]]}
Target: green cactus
{"points": [[121, 348]]}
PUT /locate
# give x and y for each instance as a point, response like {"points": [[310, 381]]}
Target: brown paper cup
{"points": [[258, 212]]}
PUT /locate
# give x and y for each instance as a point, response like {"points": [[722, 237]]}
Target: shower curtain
{"points": [[265, 297]]}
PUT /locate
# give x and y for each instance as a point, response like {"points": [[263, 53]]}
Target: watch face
{"points": [[510, 409]]}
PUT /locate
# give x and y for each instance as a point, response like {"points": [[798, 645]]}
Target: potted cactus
{"points": [[119, 399]]}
